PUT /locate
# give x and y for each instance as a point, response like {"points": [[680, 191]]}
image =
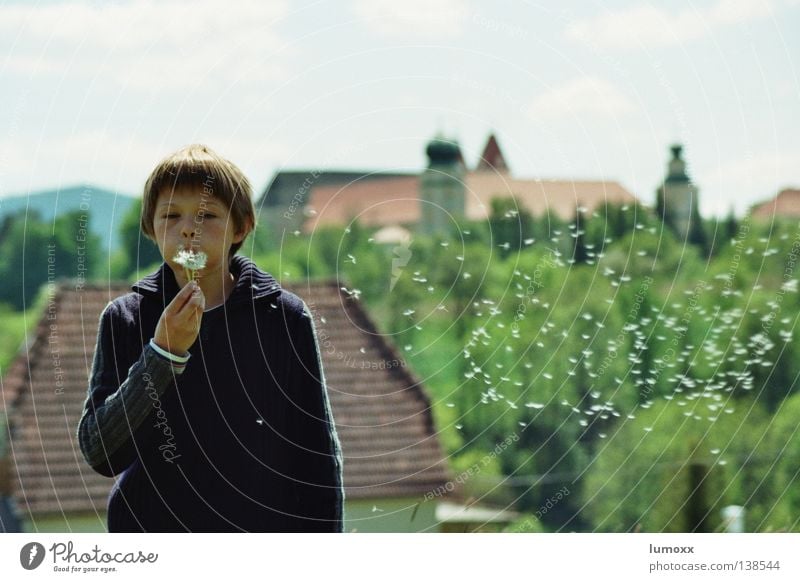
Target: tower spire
{"points": [[492, 158], [677, 202]]}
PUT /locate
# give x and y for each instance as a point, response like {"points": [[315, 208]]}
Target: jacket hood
{"points": [[251, 282]]}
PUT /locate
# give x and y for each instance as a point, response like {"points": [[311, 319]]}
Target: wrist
{"points": [[162, 350]]}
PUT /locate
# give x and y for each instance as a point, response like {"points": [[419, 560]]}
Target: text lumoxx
{"points": [[671, 549]]}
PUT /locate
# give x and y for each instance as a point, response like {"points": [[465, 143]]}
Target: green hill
{"points": [[105, 207]]}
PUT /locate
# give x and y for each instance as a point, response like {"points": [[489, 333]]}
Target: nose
{"points": [[188, 228]]}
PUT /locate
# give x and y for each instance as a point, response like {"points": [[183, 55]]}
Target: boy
{"points": [[207, 395]]}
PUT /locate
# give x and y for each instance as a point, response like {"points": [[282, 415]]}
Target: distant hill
{"points": [[105, 207]]}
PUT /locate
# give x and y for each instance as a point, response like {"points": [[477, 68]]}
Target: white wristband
{"points": [[169, 355]]}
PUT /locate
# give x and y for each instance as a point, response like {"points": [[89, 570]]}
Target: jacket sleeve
{"points": [[316, 452], [119, 405]]}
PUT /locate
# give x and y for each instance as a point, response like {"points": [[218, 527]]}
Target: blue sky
{"points": [[98, 92]]}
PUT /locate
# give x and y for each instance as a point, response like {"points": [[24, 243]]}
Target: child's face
{"points": [[198, 221]]}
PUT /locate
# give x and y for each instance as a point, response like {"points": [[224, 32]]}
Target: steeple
{"points": [[676, 171], [492, 157], [676, 200]]}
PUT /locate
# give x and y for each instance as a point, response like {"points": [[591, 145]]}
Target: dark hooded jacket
{"points": [[240, 439]]}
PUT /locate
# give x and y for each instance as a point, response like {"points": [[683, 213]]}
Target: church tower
{"points": [[676, 199], [442, 191]]}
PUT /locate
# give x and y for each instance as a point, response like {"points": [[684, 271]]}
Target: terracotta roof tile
{"points": [[374, 202], [383, 415], [785, 205], [541, 196], [395, 201]]}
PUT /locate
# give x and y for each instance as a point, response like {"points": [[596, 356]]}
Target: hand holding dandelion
{"points": [[191, 261], [179, 324]]}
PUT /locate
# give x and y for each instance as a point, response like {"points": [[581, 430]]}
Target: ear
{"points": [[239, 236]]}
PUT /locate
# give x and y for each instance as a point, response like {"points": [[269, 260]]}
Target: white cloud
{"points": [[116, 161], [736, 11], [646, 26], [755, 179], [143, 44], [401, 19], [583, 95], [92, 156]]}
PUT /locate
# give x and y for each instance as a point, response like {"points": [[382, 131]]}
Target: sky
{"points": [[99, 92]]}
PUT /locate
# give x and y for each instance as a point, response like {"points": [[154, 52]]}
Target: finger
{"points": [[197, 301], [193, 306], [181, 298], [195, 311], [184, 297]]}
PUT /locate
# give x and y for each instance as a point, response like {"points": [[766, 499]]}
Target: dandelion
{"points": [[191, 261]]}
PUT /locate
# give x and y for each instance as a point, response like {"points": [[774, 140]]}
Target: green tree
{"points": [[771, 495], [138, 251], [673, 467], [698, 235], [509, 224], [731, 228], [35, 252], [519, 341], [579, 254]]}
